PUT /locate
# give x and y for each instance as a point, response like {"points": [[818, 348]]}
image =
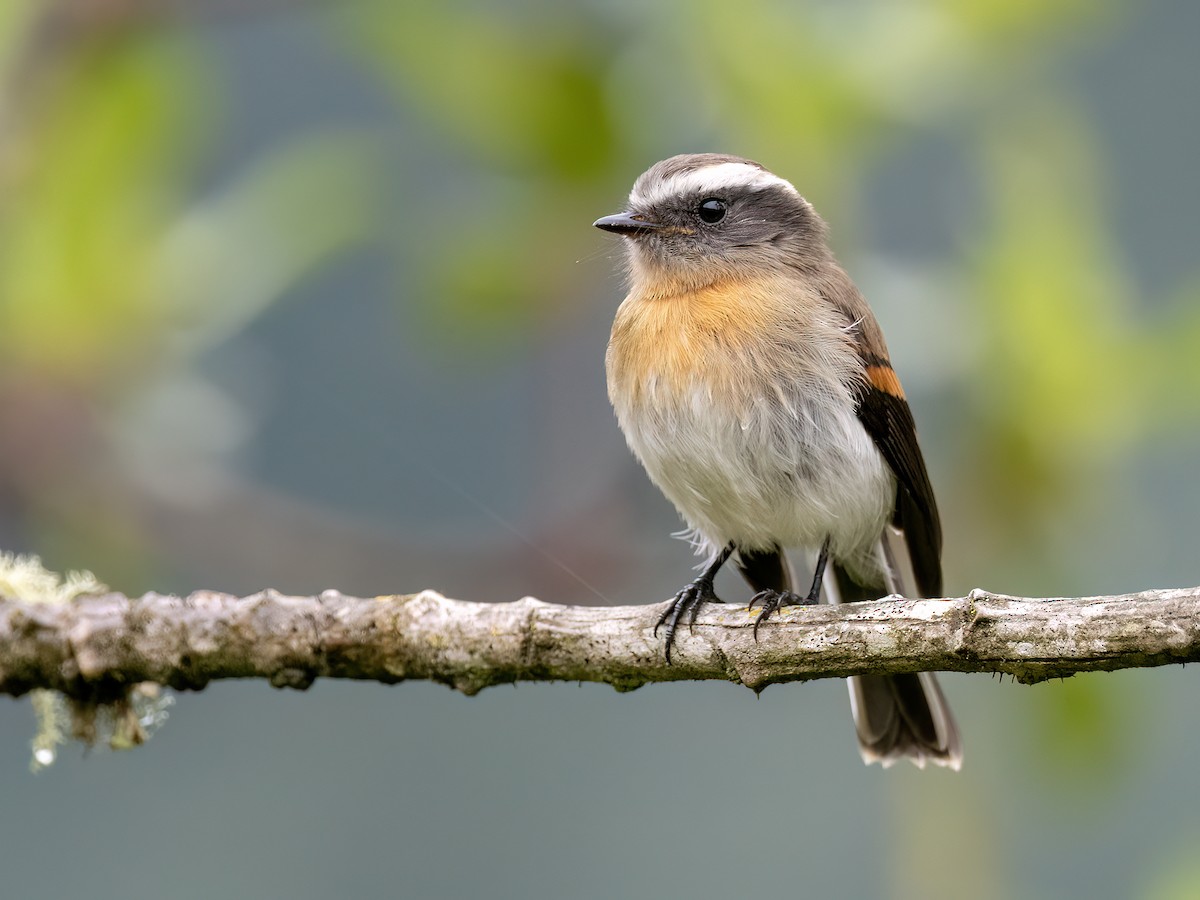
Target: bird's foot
{"points": [[772, 601], [686, 602]]}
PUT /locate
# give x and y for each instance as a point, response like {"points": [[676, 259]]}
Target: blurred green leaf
{"points": [[103, 254], [1081, 729], [1053, 399], [17, 19], [99, 168], [115, 274], [1176, 877], [229, 256], [511, 99]]}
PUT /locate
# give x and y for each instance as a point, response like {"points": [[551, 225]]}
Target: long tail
{"points": [[895, 716]]}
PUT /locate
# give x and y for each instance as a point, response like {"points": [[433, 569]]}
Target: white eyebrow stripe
{"points": [[712, 179]]}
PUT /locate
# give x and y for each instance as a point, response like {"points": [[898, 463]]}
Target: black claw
{"points": [[688, 601], [772, 601], [691, 598]]}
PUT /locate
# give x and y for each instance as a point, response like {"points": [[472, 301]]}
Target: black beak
{"points": [[628, 224]]}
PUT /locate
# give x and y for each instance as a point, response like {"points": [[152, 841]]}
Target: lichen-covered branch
{"points": [[94, 647]]}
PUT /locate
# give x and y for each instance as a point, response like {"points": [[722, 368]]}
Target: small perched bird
{"points": [[753, 383]]}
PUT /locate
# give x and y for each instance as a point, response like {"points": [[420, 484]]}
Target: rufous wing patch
{"points": [[883, 378]]}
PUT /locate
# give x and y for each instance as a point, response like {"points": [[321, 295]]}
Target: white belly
{"points": [[787, 470]]}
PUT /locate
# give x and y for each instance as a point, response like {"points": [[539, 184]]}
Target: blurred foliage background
{"points": [[306, 295]]}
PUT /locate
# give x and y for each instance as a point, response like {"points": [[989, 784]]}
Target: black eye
{"points": [[711, 210]]}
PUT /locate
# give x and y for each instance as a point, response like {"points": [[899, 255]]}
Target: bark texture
{"points": [[95, 647]]}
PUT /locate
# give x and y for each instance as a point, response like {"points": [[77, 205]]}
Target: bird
{"points": [[753, 383]]}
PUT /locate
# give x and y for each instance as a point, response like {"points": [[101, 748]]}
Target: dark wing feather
{"points": [[889, 421]]}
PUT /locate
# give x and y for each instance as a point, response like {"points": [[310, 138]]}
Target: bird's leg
{"points": [[690, 599], [814, 592], [774, 600]]}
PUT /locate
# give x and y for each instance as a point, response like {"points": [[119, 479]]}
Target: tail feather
{"points": [[897, 716]]}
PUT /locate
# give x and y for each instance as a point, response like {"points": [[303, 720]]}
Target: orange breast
{"points": [[670, 343]]}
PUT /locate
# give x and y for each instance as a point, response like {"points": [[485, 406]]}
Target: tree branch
{"points": [[94, 648]]}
